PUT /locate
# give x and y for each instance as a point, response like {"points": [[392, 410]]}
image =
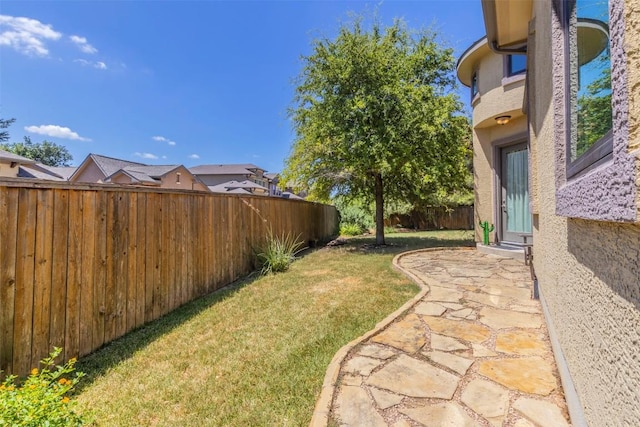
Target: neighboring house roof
{"points": [[39, 171], [272, 175], [107, 165], [232, 169], [145, 174], [7, 156], [232, 186], [62, 171]]}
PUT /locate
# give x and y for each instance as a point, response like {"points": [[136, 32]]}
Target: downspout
{"points": [[506, 50]]}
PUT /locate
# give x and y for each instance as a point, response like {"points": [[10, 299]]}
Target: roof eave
{"points": [[507, 24]]}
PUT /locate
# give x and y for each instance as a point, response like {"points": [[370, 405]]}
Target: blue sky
{"points": [[179, 82]]}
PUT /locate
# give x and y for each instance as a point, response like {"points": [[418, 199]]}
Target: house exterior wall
{"points": [[7, 171], [187, 180], [121, 178], [90, 173], [485, 163], [497, 96], [588, 271]]}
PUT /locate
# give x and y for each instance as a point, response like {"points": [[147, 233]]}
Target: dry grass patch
{"points": [[256, 352]]}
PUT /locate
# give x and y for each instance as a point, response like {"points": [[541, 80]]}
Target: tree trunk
{"points": [[379, 210]]}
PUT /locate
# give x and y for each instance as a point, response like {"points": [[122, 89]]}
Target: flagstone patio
{"points": [[471, 349]]}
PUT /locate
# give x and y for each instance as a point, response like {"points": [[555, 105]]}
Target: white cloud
{"points": [[98, 64], [55, 131], [164, 157], [163, 139], [26, 35], [82, 44], [194, 156], [146, 155]]}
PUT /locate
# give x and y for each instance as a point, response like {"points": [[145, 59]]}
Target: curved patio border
{"points": [[322, 409]]}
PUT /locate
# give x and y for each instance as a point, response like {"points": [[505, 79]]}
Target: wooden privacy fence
{"points": [[438, 218], [81, 266]]}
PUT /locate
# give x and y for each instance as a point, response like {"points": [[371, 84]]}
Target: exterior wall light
{"points": [[503, 120]]}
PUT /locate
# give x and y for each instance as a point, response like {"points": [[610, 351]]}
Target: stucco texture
{"points": [[588, 270], [494, 99]]}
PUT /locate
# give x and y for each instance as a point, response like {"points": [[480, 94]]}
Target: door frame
{"points": [[498, 145]]}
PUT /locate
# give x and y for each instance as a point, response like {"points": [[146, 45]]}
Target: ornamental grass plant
{"points": [[278, 252]]}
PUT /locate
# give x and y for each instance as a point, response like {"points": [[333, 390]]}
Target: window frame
{"points": [[475, 85], [508, 72], [601, 151], [607, 191]]}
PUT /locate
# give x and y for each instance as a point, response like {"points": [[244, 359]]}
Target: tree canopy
{"points": [[45, 152], [375, 116], [4, 124]]}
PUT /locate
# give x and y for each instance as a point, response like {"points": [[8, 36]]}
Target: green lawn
{"points": [[254, 353]]}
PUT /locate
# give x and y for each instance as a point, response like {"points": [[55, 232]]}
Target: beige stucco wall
{"points": [[89, 173], [484, 165], [496, 96], [632, 41], [588, 271], [7, 171], [187, 180]]}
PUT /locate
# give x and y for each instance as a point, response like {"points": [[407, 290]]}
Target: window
{"points": [[516, 64], [588, 61], [474, 84]]}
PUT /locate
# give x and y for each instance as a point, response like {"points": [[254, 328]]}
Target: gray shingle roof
{"points": [[232, 186], [145, 173], [10, 157], [110, 165], [37, 172]]}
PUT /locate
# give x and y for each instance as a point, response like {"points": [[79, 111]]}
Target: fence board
{"points": [[8, 239], [132, 267], [59, 269], [100, 269], [42, 275], [81, 266], [141, 259], [74, 272], [87, 275]]}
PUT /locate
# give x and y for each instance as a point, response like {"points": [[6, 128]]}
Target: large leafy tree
{"points": [[45, 152], [375, 116]]}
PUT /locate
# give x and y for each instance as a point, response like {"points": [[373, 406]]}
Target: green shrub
{"points": [[390, 230], [278, 253], [41, 399], [349, 229], [354, 212]]}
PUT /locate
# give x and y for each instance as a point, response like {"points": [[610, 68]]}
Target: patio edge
{"points": [[322, 409]]}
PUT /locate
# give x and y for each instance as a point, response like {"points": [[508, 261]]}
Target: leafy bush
{"points": [[41, 399], [354, 212], [347, 229], [278, 253]]}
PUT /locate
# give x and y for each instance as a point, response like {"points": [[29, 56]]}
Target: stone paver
{"points": [[472, 351], [540, 412], [415, 378], [448, 414], [487, 399], [527, 374], [408, 335]]}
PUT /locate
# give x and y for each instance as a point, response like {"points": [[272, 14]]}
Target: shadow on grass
{"points": [[402, 242], [110, 355]]}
